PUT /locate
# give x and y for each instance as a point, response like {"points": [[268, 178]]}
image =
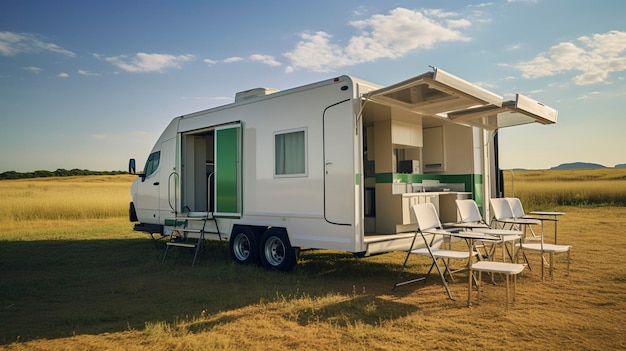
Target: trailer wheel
{"points": [[243, 245], [276, 251]]}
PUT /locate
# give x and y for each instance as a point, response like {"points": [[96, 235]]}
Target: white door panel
{"points": [[339, 174]]}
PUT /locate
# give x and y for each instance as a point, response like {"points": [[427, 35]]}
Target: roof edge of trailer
{"points": [[271, 93]]}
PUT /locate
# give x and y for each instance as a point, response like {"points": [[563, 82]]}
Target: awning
{"points": [[522, 110], [436, 93], [443, 95]]}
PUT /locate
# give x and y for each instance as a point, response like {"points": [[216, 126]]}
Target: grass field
{"points": [[86, 281], [47, 201], [549, 188]]}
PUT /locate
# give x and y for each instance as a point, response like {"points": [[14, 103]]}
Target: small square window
{"points": [[290, 153]]}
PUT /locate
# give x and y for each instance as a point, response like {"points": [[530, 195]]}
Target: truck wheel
{"points": [[276, 251], [243, 245]]}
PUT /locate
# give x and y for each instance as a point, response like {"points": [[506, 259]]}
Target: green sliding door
{"points": [[228, 171]]}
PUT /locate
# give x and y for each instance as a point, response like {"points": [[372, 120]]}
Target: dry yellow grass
{"points": [[547, 188], [333, 301], [43, 202]]}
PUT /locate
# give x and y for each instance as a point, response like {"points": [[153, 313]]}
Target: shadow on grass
{"points": [[59, 288]]}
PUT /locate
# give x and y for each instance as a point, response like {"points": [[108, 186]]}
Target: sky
{"points": [[90, 84]]}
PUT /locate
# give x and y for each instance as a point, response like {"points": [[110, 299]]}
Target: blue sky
{"points": [[89, 84]]}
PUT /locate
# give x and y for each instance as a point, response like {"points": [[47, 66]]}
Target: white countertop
{"points": [[426, 193]]}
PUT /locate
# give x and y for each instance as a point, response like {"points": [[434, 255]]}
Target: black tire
{"points": [[243, 245], [276, 251]]}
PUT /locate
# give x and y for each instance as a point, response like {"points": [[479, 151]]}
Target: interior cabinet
{"points": [[433, 152], [406, 134]]}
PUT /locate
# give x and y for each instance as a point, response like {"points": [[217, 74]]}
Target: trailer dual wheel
{"points": [[276, 251], [243, 245]]}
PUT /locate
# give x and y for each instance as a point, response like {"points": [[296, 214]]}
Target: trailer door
{"points": [[228, 171], [339, 175]]}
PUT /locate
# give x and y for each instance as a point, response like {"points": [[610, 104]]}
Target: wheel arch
{"points": [[257, 229]]}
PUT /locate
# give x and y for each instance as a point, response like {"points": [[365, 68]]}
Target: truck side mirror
{"points": [[131, 166]]}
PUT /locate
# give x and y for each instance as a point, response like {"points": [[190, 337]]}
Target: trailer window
{"points": [[152, 164], [290, 153]]}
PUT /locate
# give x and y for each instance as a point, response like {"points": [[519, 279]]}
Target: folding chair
{"points": [[472, 219], [503, 213], [518, 213], [470, 215], [428, 223], [520, 217]]}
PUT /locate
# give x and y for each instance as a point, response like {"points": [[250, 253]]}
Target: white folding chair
{"points": [[470, 214], [503, 213], [517, 210], [472, 219], [428, 224]]}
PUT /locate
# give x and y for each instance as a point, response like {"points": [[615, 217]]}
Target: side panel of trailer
{"points": [[286, 160]]}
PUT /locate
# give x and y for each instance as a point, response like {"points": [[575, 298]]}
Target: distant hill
{"points": [[578, 165], [621, 165]]}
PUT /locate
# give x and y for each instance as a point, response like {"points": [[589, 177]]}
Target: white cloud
{"points": [[264, 59], [393, 35], [63, 75], [33, 69], [459, 23], [146, 63], [12, 44], [233, 59], [83, 72], [594, 58], [315, 52], [436, 13]]}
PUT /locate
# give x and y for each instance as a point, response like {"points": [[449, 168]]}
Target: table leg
{"points": [[556, 221], [471, 274]]}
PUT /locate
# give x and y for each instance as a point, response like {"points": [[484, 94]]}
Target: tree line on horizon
{"points": [[58, 173]]}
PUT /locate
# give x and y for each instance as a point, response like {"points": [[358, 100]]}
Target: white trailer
{"points": [[336, 164]]}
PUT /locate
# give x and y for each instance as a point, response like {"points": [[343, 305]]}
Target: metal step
{"points": [[179, 244], [189, 230], [200, 218]]}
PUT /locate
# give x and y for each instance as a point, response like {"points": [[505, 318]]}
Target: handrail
{"points": [[169, 198], [211, 175]]}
